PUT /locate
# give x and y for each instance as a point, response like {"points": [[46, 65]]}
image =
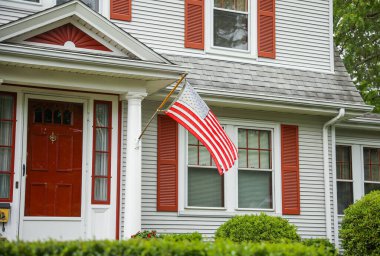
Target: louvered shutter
{"points": [[121, 10], [194, 24], [290, 170], [266, 29], [167, 164]]}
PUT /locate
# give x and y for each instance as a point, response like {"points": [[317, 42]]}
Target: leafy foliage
{"points": [[321, 242], [156, 247], [182, 237], [257, 228], [357, 36], [360, 231]]}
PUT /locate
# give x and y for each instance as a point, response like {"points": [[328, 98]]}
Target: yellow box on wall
{"points": [[4, 212]]}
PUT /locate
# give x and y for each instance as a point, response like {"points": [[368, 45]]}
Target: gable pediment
{"points": [[75, 27], [68, 36]]}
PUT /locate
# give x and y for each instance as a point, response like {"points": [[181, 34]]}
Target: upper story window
{"points": [[230, 28], [344, 177], [93, 4], [371, 169]]}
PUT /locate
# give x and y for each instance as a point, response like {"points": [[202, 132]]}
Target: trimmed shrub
{"points": [[360, 231], [156, 247], [257, 228], [182, 237], [321, 242]]}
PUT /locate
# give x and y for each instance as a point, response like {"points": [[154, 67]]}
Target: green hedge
{"points": [[258, 228], [157, 247]]}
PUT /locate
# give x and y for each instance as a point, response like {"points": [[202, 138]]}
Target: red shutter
{"points": [[266, 35], [121, 10], [194, 24], [167, 164], [290, 170]]}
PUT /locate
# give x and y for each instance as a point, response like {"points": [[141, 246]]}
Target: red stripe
{"points": [[225, 141], [222, 132], [214, 148], [220, 170], [218, 140]]}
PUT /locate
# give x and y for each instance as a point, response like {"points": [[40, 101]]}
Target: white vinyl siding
{"points": [[311, 222]]}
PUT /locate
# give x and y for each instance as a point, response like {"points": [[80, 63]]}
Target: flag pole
{"points": [[162, 105]]}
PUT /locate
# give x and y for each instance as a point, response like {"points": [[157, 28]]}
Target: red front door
{"points": [[54, 159]]}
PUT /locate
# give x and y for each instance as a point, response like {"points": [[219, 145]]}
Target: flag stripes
{"points": [[209, 132]]}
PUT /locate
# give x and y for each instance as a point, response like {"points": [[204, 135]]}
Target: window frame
{"points": [[109, 151], [363, 166], [272, 170], [345, 180], [251, 52], [230, 178], [11, 173]]}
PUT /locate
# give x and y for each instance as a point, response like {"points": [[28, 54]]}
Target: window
{"points": [[93, 4], [255, 172], [344, 177], [7, 142], [205, 185], [231, 24], [101, 174], [371, 169]]}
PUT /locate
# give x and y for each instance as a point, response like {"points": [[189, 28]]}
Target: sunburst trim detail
{"points": [[68, 32]]}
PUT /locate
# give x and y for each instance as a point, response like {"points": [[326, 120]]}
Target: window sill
{"points": [[254, 210], [236, 54]]}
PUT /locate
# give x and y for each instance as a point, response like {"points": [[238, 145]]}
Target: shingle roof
{"points": [[269, 81]]}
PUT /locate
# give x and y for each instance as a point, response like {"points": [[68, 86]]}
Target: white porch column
{"points": [[133, 170]]}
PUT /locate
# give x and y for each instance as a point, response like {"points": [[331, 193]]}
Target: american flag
{"points": [[189, 110]]}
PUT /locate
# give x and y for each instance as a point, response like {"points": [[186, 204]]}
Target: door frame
{"points": [[86, 158]]}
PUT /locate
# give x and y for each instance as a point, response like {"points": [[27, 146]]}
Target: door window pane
{"points": [[6, 106], [205, 187], [5, 159], [6, 131], [255, 189], [345, 195], [4, 186], [101, 189]]}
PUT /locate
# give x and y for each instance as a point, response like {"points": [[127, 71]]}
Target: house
{"points": [[80, 80]]}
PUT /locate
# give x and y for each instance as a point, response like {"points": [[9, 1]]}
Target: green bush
{"points": [[182, 237], [321, 242], [360, 231], [156, 247], [257, 228]]}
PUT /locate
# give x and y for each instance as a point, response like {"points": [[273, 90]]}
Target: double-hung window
{"points": [[344, 177], [255, 174], [7, 150], [205, 185], [371, 169], [231, 24]]}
